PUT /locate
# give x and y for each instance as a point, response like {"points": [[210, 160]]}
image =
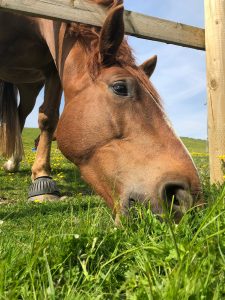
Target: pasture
{"points": [[72, 250]]}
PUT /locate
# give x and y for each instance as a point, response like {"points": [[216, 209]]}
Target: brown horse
{"points": [[113, 126]]}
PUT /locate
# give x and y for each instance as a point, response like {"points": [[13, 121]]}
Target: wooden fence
{"points": [[212, 39]]}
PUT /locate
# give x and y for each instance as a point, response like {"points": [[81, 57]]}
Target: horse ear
{"points": [[149, 65], [112, 35]]}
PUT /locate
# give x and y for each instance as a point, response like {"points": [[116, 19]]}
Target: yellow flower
{"points": [[199, 154], [37, 201], [222, 157]]}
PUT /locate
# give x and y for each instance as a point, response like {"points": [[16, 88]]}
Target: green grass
{"points": [[72, 250], [195, 145]]}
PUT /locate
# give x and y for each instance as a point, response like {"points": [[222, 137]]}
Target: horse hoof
{"points": [[43, 189], [11, 167]]}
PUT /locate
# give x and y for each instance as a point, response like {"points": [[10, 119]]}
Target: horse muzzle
{"points": [[172, 199]]}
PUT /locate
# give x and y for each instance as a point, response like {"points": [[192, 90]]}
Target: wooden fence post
{"points": [[215, 56]]}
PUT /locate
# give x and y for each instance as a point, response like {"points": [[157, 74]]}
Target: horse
{"points": [[113, 126]]}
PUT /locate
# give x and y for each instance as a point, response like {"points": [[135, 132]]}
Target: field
{"points": [[72, 250]]}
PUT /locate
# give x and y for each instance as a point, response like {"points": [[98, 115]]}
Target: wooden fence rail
{"points": [[136, 24]]}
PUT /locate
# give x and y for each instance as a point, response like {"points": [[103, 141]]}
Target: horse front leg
{"points": [[43, 187], [28, 95]]}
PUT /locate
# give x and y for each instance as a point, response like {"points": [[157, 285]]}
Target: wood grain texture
{"points": [[136, 24], [215, 46]]}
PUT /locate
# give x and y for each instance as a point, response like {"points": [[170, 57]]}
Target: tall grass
{"points": [[72, 250]]}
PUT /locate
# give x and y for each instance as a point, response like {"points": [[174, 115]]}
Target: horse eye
{"points": [[120, 88]]}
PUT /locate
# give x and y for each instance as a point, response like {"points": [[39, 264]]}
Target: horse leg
{"points": [[43, 187], [28, 96]]}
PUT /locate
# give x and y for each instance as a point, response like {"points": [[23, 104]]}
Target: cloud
{"points": [[181, 74], [188, 126]]}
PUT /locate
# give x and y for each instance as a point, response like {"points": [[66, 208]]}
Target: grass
{"points": [[195, 145], [72, 250]]}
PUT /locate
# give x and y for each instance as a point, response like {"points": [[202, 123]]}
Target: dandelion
{"points": [[36, 201], [76, 236], [199, 154]]}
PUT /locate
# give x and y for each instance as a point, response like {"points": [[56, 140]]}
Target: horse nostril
{"points": [[177, 195], [131, 202], [136, 198], [170, 194]]}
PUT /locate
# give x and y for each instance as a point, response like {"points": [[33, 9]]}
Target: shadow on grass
{"points": [[45, 209], [21, 173], [70, 185]]}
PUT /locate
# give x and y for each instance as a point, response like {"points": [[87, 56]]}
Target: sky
{"points": [[180, 75]]}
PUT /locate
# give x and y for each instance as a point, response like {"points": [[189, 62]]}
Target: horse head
{"points": [[115, 130]]}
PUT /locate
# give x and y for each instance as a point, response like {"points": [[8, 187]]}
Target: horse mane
{"points": [[88, 37]]}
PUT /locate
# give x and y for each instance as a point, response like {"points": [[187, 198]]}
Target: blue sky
{"points": [[180, 75]]}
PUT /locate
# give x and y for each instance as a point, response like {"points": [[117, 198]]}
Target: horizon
{"points": [[181, 137]]}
